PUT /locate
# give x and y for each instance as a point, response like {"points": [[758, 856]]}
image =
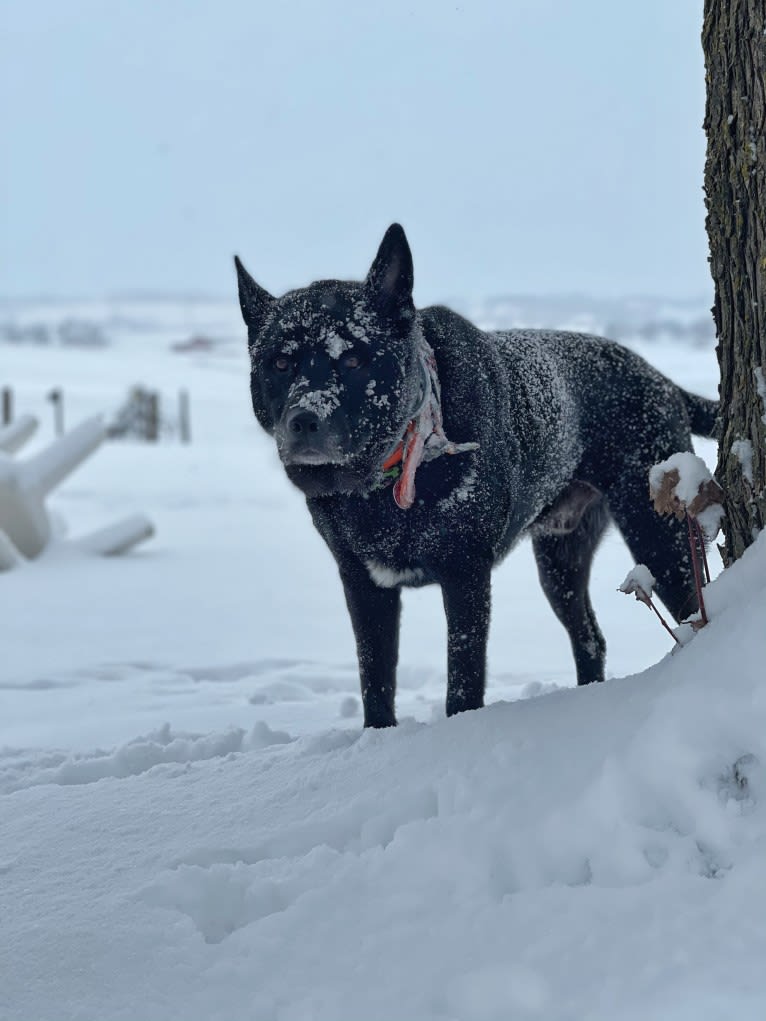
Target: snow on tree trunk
{"points": [[734, 45]]}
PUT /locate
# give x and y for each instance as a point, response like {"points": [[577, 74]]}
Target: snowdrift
{"points": [[593, 853]]}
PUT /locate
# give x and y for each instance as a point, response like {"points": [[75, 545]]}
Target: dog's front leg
{"points": [[467, 605], [374, 615]]}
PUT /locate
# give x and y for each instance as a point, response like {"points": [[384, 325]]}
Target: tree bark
{"points": [[734, 45]]}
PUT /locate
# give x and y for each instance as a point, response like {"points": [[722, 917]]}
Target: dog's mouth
{"points": [[311, 455], [303, 441], [325, 453], [321, 469], [310, 449], [306, 437]]}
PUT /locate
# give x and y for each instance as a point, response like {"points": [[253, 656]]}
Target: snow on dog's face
{"points": [[333, 370]]}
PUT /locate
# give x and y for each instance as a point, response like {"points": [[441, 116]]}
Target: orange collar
{"points": [[395, 465], [423, 439], [397, 455], [395, 458]]}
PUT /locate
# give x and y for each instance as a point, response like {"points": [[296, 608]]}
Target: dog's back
{"points": [[551, 406]]}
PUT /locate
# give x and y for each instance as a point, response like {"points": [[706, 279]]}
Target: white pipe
{"points": [[15, 435], [9, 555], [47, 469], [117, 538], [24, 520]]}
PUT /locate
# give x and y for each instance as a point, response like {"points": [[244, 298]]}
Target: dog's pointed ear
{"points": [[253, 299], [391, 276]]}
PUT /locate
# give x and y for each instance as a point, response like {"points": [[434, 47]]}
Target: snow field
{"points": [[194, 825], [592, 853]]}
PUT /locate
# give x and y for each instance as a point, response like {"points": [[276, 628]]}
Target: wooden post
{"points": [[56, 397], [153, 422], [184, 416], [7, 405]]}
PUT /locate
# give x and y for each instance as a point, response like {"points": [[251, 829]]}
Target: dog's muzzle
{"points": [[306, 438]]}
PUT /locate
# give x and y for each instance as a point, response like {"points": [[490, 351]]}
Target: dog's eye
{"points": [[352, 362], [282, 364]]}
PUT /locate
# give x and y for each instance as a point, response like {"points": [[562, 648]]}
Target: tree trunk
{"points": [[734, 45]]}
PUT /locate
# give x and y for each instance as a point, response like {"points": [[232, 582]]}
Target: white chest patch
{"points": [[384, 577]]}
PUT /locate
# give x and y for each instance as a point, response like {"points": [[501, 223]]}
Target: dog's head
{"points": [[334, 372]]}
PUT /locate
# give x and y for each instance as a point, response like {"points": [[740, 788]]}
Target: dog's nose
{"points": [[301, 421]]}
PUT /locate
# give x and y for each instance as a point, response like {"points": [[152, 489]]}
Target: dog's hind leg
{"points": [[374, 616], [467, 599], [661, 543], [563, 565]]}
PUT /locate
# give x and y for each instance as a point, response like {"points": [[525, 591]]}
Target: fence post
{"points": [[153, 418], [7, 405], [56, 397], [184, 416]]}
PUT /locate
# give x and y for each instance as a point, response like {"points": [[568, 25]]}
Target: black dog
{"points": [[427, 448]]}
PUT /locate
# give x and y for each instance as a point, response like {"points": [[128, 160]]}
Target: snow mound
{"points": [[639, 579], [683, 482], [589, 853], [19, 769]]}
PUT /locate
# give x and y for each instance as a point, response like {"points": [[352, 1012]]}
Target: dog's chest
{"points": [[389, 577], [417, 546], [399, 547]]}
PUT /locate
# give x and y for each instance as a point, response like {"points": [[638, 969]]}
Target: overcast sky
{"points": [[525, 145]]}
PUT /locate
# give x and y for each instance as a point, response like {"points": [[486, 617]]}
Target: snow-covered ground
{"points": [[194, 825]]}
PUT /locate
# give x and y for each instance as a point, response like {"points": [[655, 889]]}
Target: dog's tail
{"points": [[703, 414]]}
